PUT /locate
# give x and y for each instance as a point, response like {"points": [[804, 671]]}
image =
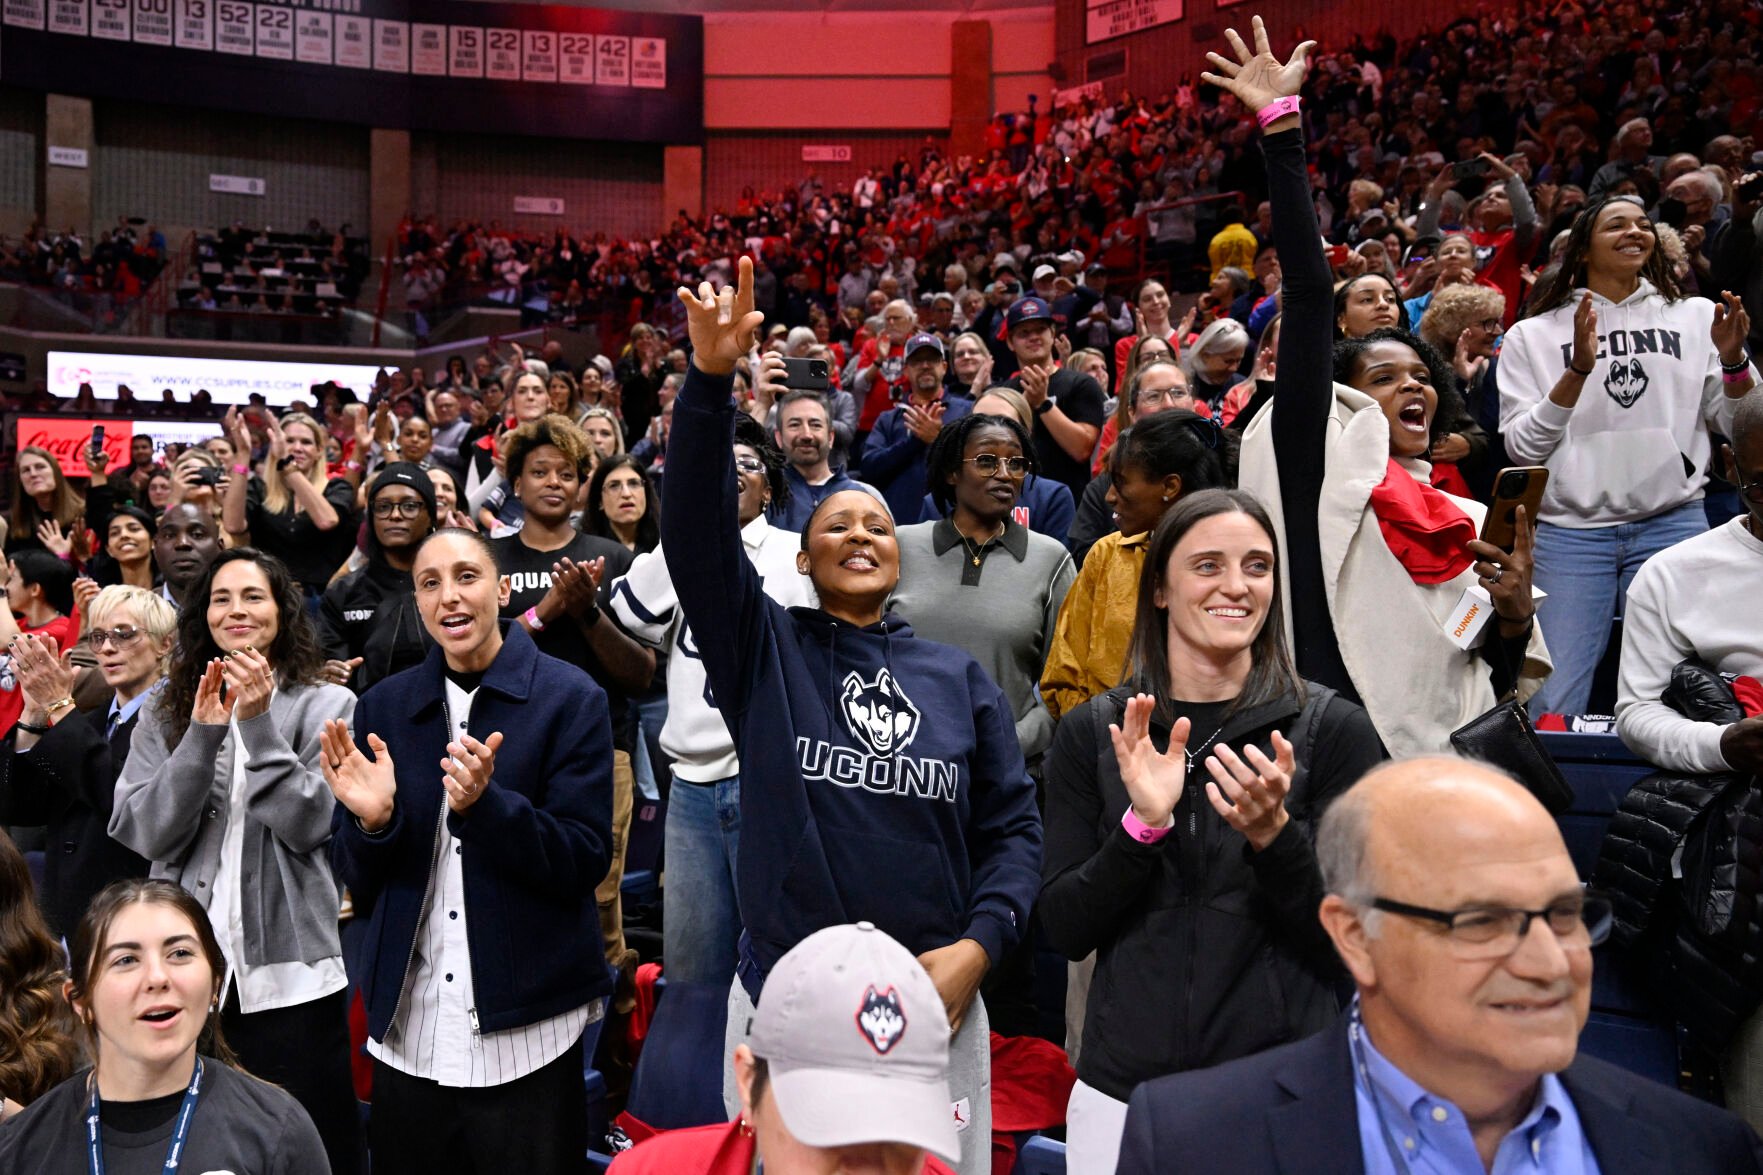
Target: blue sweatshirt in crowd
{"points": [[881, 779]]}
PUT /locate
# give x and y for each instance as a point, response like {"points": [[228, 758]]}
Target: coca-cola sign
{"points": [[68, 437]]}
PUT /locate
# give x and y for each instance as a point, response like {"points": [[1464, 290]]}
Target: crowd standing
{"points": [[980, 558]]}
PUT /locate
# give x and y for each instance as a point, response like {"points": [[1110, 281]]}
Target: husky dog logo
{"points": [[1625, 382], [881, 1019], [878, 712]]}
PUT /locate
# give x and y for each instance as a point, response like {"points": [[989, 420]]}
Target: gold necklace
{"points": [[975, 549]]}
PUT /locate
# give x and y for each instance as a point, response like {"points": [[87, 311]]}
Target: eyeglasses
{"points": [[1151, 397], [749, 465], [1491, 325], [1482, 933], [986, 465], [122, 637], [1752, 491], [408, 508]]}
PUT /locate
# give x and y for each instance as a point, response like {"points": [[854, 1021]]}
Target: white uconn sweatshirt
{"points": [[1637, 443]]}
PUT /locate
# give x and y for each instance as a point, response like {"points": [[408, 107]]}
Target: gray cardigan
{"points": [[1002, 612], [171, 807]]}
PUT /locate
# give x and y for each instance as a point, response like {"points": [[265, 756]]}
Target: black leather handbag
{"points": [[1504, 738]]}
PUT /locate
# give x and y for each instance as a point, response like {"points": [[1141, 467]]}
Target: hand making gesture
{"points": [[1249, 790], [366, 788], [722, 324], [1153, 781], [1258, 78], [468, 769]]}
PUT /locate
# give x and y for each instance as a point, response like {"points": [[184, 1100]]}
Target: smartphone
{"points": [[98, 437], [1673, 212], [1337, 255], [209, 475], [808, 375], [1521, 485], [1469, 169]]}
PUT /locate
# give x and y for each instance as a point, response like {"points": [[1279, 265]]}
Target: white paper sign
{"points": [[354, 42], [236, 185], [575, 59], [539, 205], [312, 37], [612, 61], [391, 46], [68, 16], [232, 27], [428, 49], [67, 157], [26, 14], [229, 381], [648, 63], [840, 153], [465, 52], [153, 22], [110, 19], [275, 32], [1116, 18], [538, 56], [502, 54]]}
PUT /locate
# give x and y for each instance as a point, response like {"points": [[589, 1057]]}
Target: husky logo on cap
{"points": [[878, 713], [881, 1019]]}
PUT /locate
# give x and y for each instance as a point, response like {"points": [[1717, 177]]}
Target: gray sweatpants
{"points": [[970, 1076]]}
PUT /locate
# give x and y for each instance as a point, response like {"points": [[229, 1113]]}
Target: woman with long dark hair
{"points": [[223, 793], [39, 1045], [940, 844], [1374, 560], [1198, 895], [147, 979], [1627, 468], [623, 505]]}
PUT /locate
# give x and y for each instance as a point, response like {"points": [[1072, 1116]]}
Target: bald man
{"points": [[1454, 905]]}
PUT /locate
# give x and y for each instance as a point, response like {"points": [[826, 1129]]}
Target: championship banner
{"points": [[227, 381], [69, 436], [448, 65]]}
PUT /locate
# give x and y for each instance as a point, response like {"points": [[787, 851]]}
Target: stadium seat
{"points": [[1040, 1155], [678, 1081]]}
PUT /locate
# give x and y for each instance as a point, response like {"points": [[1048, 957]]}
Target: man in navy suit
{"points": [[1454, 905]]}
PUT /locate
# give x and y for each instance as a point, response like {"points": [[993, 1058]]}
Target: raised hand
{"points": [[1468, 365], [1507, 576], [468, 769], [250, 681], [85, 590], [1732, 323], [337, 672], [722, 325], [58, 544], [44, 672], [1153, 782], [1249, 790], [367, 789], [1585, 334], [1258, 78], [1034, 385]]}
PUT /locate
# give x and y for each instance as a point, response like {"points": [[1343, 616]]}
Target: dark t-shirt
{"points": [[312, 555], [529, 578], [241, 1125], [1081, 399]]}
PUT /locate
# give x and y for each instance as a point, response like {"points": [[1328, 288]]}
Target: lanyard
{"points": [[173, 1153], [1356, 1033]]}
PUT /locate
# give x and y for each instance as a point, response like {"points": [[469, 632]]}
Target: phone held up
{"points": [[1515, 486], [807, 375]]}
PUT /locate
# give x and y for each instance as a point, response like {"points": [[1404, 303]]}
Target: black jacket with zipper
{"points": [[1206, 949], [371, 613]]}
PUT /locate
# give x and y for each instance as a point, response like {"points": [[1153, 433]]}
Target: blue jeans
{"points": [[701, 923], [651, 716], [1586, 574]]}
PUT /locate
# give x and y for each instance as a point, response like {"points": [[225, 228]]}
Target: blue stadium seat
{"points": [[598, 1161], [1040, 1155], [678, 1081]]}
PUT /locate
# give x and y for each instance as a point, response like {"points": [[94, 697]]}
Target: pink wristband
{"points": [[1736, 377], [531, 616], [1276, 110], [241, 469], [1142, 832]]}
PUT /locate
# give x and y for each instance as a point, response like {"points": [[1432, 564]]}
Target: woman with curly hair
{"points": [[1462, 322], [165, 1079], [223, 793], [39, 1043]]}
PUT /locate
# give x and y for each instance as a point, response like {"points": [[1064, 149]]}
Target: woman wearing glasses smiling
{"points": [[367, 621], [64, 774]]}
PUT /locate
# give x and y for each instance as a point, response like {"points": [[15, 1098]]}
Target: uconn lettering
{"points": [[896, 775], [1619, 344]]}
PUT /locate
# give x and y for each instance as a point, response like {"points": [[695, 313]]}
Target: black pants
{"points": [[305, 1050], [536, 1125]]}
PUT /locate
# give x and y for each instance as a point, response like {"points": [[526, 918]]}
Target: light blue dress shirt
{"points": [[1404, 1130]]}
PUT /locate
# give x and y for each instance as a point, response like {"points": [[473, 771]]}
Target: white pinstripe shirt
{"points": [[435, 1036]]}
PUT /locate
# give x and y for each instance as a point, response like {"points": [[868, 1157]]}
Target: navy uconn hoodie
{"points": [[880, 775]]}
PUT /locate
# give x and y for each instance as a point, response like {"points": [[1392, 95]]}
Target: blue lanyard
{"points": [[1356, 1034], [173, 1153]]}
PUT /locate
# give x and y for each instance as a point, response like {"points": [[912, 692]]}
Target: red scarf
{"points": [[1426, 531]]}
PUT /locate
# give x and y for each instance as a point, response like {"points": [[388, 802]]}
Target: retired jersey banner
{"points": [[448, 65]]}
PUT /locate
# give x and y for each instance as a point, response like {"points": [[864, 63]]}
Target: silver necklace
{"points": [[1196, 753]]}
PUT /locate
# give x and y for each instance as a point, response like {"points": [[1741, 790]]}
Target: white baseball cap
{"points": [[856, 1041]]}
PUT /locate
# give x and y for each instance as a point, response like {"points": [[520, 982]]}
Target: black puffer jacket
{"points": [[1682, 861], [371, 614], [1206, 950]]}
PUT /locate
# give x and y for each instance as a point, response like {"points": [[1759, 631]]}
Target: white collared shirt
{"points": [[268, 985], [435, 1035]]}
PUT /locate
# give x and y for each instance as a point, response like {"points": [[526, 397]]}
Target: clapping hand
{"points": [[1585, 334], [50, 535], [1251, 795], [212, 708], [85, 590], [1732, 323], [1035, 381], [722, 324], [924, 423], [468, 769], [367, 789], [1258, 78], [250, 681], [1153, 782], [44, 673]]}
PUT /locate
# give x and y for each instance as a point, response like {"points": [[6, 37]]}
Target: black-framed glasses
{"points": [[407, 508], [749, 465], [988, 464], [1752, 491], [1494, 932], [122, 636]]}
